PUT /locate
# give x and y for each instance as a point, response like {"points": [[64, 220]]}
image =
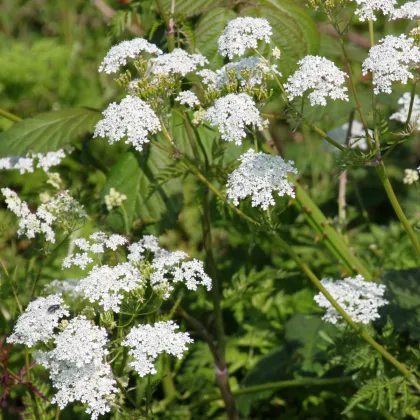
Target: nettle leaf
{"points": [[134, 175], [294, 31], [403, 294], [191, 7], [208, 31], [312, 335], [48, 131]]}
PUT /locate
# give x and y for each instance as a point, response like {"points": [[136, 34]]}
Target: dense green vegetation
{"points": [[260, 323]]}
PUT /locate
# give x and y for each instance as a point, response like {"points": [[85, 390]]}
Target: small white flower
{"points": [[410, 10], [137, 250], [242, 33], [249, 71], [402, 114], [390, 61], [231, 114], [38, 321], [357, 135], [410, 176], [147, 342], [368, 7], [64, 287], [27, 164], [118, 54], [319, 75], [108, 285], [187, 98], [77, 367], [209, 78], [50, 159], [258, 176], [114, 199], [54, 179], [131, 118], [177, 62], [357, 297], [276, 53]]}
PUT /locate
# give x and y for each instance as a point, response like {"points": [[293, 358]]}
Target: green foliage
{"points": [[47, 132]]}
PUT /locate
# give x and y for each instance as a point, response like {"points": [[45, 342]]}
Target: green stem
{"points": [[331, 237], [124, 211], [9, 116], [410, 109], [169, 23], [381, 171], [28, 378], [57, 413], [271, 386]]}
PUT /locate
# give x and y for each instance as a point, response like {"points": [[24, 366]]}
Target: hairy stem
{"points": [[222, 376]]}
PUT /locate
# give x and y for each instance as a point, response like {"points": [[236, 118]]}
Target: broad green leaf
{"points": [[312, 335], [207, 32], [294, 31], [403, 294], [48, 131], [274, 366], [191, 7], [133, 176]]}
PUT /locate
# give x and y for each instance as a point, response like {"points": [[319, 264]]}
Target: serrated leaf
{"points": [[48, 131], [294, 31], [133, 175], [191, 7], [207, 32]]}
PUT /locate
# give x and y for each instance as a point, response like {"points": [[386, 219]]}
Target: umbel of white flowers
{"points": [[258, 176], [319, 75], [357, 297], [402, 114], [392, 60], [108, 285]]}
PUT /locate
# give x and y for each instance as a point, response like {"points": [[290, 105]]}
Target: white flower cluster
{"points": [[410, 176], [77, 367], [118, 54], [209, 78], [187, 98], [368, 7], [114, 199], [390, 61], [97, 243], [410, 10], [242, 33], [249, 71], [146, 342], [357, 297], [31, 161], [231, 113], [258, 176], [402, 114], [66, 287], [131, 118], [38, 321], [319, 75], [59, 210], [106, 285], [177, 62], [357, 135]]}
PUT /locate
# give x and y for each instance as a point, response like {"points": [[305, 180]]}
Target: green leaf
{"points": [[274, 366], [312, 335], [133, 175], [207, 32], [48, 131], [191, 7], [294, 31], [402, 292]]}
